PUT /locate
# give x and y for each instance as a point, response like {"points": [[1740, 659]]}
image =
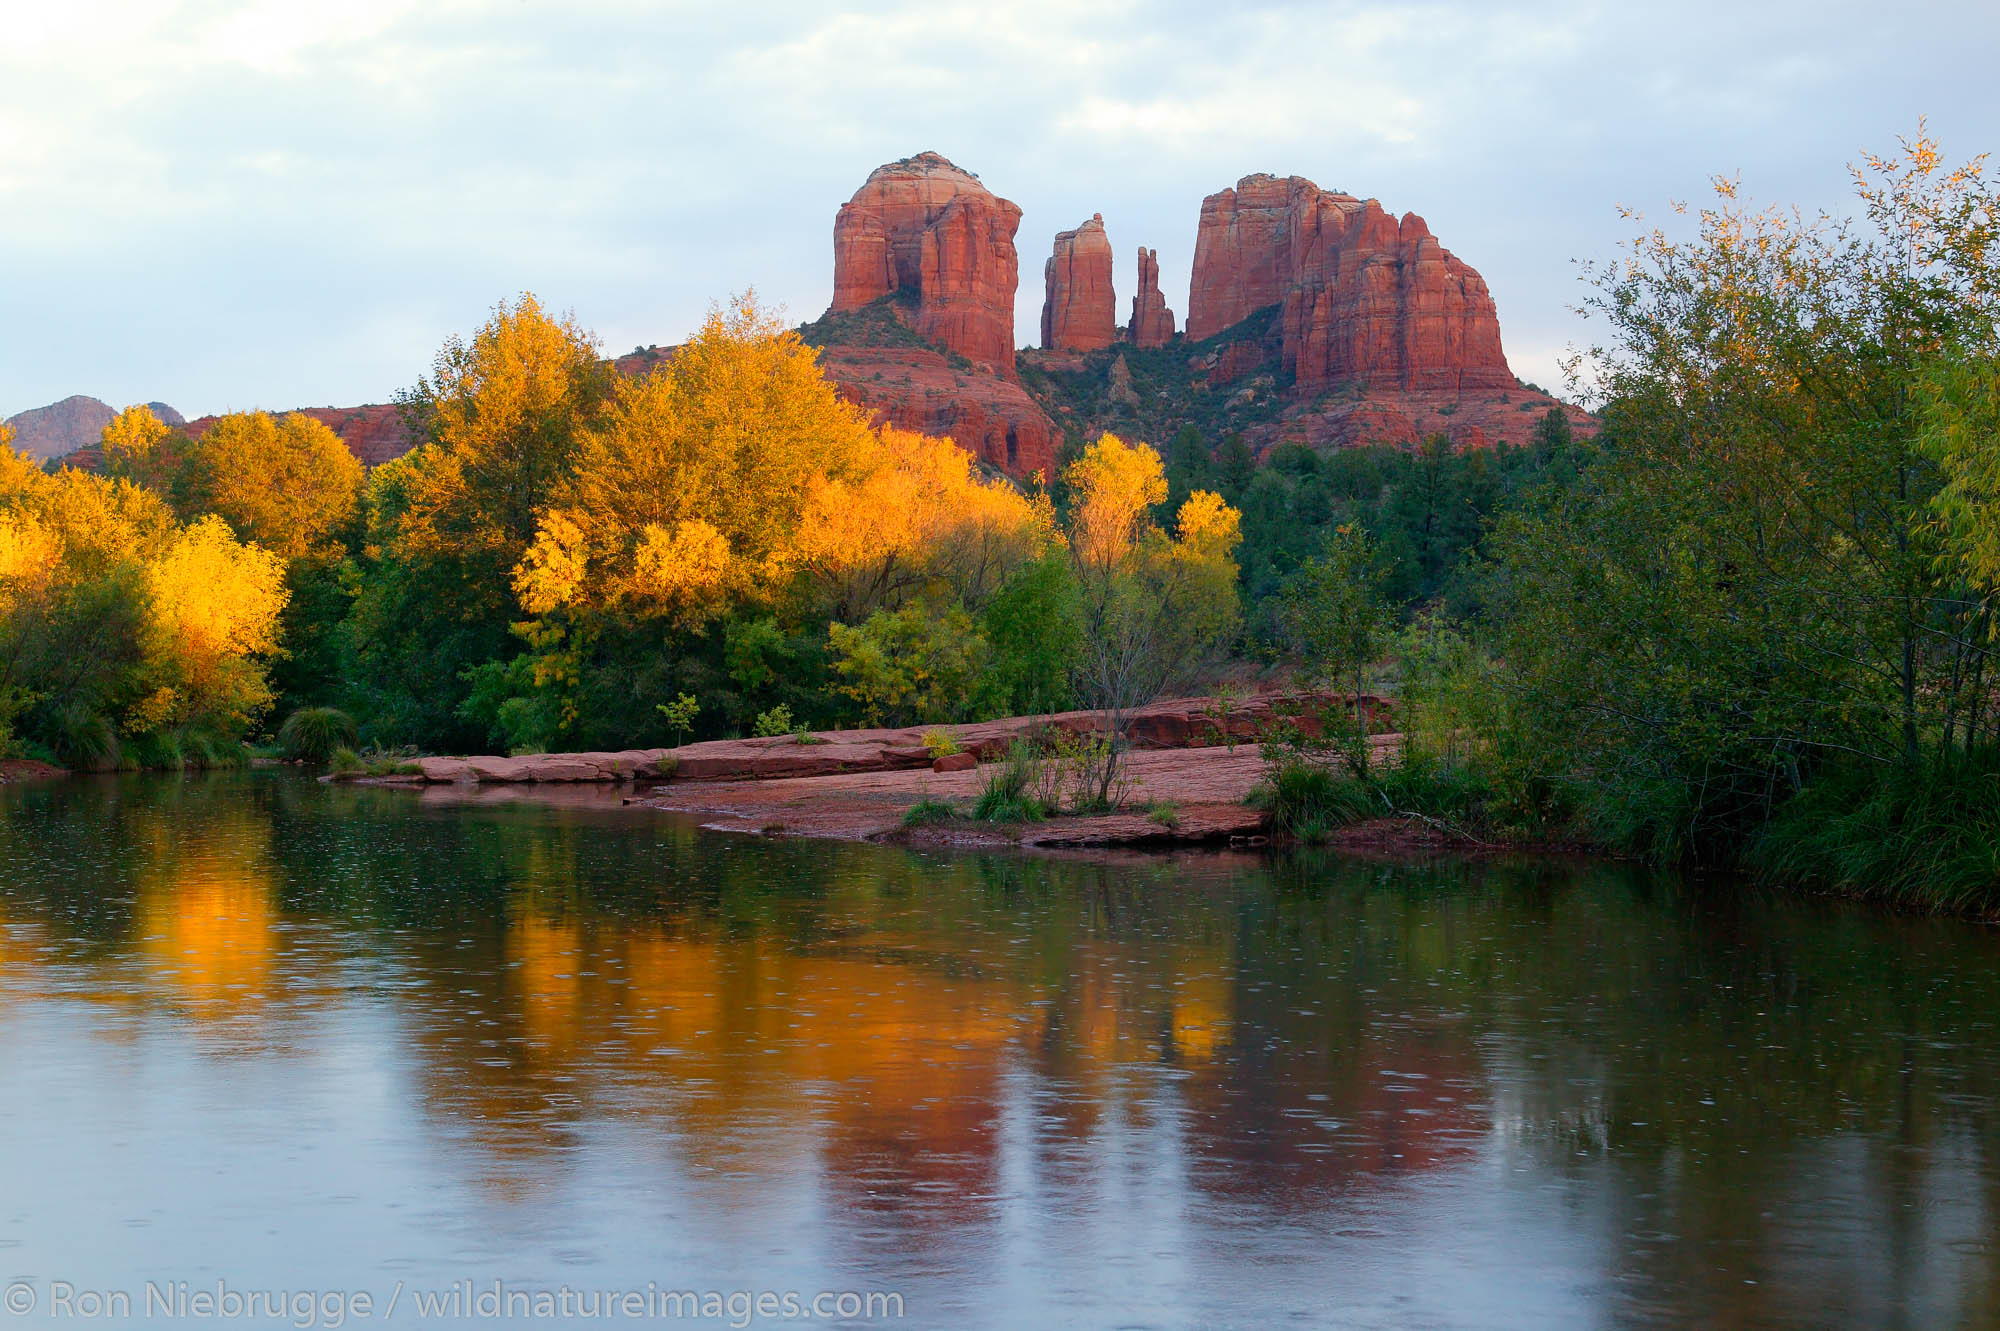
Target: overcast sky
{"points": [[225, 205]]}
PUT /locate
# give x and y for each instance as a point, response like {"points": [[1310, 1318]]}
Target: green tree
{"points": [[1748, 584]]}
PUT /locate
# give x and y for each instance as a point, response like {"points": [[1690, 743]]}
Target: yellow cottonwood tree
{"points": [[1153, 604], [213, 605], [288, 483]]}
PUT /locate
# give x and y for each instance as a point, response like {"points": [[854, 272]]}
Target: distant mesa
{"points": [[376, 433], [1364, 298], [1079, 311], [61, 428]]}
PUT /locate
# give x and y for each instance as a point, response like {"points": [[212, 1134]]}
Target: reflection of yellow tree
{"points": [[887, 1045], [204, 914]]}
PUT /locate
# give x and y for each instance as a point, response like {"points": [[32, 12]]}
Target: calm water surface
{"points": [[261, 1032]]}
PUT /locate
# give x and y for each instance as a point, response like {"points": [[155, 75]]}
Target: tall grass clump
{"points": [[927, 811], [84, 741], [183, 748], [1926, 835], [1013, 792], [312, 734], [1308, 801]]}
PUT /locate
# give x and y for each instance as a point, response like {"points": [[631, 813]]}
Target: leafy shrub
{"points": [[776, 722], [912, 665], [311, 734], [679, 715], [941, 743]]}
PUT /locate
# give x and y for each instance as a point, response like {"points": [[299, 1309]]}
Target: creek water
{"points": [[429, 1061]]}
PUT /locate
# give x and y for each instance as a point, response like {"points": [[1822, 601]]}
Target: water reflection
{"points": [[440, 1042]]}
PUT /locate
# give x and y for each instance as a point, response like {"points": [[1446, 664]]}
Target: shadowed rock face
{"points": [[925, 228], [1152, 322], [1365, 297], [1079, 311]]}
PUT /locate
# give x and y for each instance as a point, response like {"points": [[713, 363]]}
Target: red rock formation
{"points": [[987, 413], [924, 227], [1365, 298], [1152, 322], [1079, 311], [375, 433], [1242, 254]]}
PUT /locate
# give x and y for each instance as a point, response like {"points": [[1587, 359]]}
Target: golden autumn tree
{"points": [[141, 447], [502, 417], [693, 487], [119, 624], [1153, 604], [288, 483], [212, 609]]}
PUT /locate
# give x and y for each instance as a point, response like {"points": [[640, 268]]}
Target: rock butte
{"points": [[1152, 322], [1079, 310], [942, 245], [1365, 298], [923, 227]]}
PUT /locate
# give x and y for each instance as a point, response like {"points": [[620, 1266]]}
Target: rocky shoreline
{"points": [[1193, 766]]}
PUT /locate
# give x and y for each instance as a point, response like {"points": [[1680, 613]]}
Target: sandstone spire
{"points": [[1152, 322], [1079, 312]]}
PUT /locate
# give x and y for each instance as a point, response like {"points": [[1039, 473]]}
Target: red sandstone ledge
{"points": [[1177, 723]]}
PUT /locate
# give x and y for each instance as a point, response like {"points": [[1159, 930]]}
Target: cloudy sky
{"points": [[233, 205]]}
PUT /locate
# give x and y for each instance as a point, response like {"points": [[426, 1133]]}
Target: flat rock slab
{"points": [[627, 765], [1175, 723]]}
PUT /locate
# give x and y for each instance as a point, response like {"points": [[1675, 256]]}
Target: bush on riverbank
{"points": [[314, 734], [1925, 836]]}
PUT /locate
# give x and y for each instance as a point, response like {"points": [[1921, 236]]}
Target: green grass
{"points": [[346, 762], [1310, 801], [184, 748], [1301, 798], [1927, 836], [312, 734], [927, 811], [1008, 795]]}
